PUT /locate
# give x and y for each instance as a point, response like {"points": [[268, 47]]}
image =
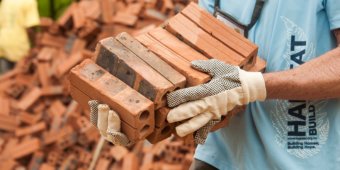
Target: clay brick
{"points": [[66, 19], [161, 133], [125, 65], [52, 137], [259, 66], [44, 78], [193, 76], [130, 162], [52, 90], [36, 161], [24, 148], [102, 164], [135, 8], [118, 152], [68, 64], [53, 41], [30, 129], [144, 30], [106, 8], [5, 105], [174, 44], [160, 117], [78, 17], [57, 108], [29, 99], [46, 54], [46, 166], [91, 9], [132, 133], [200, 40], [220, 31], [125, 18], [70, 162], [29, 118], [133, 108], [78, 45], [89, 30], [8, 123], [152, 60]]}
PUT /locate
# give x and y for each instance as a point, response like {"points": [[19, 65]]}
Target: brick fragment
{"points": [[29, 99], [130, 162], [68, 64], [106, 7], [43, 70], [30, 129], [8, 123], [46, 54], [125, 18]]}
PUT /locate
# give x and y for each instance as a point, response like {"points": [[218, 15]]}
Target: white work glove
{"points": [[108, 123], [203, 105]]}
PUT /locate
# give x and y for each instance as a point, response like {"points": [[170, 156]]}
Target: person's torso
{"points": [[280, 134], [13, 36]]}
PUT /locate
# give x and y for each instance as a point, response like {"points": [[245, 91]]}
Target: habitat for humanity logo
{"points": [[301, 126]]}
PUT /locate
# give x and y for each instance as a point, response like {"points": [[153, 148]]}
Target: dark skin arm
{"points": [[314, 80]]}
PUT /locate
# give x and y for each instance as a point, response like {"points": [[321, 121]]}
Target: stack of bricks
{"points": [[145, 68], [41, 126]]}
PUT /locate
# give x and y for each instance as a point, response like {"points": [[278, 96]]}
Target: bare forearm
{"points": [[316, 79]]}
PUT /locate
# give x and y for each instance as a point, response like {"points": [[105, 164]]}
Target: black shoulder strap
{"points": [[256, 13]]}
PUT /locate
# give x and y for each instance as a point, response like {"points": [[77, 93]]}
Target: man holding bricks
{"points": [[296, 127], [292, 112]]}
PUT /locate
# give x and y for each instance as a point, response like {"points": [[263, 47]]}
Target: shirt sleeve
{"points": [[31, 14], [333, 13], [207, 5]]}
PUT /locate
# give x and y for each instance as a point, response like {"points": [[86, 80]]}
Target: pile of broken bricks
{"points": [[42, 127], [133, 74]]}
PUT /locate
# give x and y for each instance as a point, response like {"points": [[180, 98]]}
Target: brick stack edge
{"points": [[43, 128], [144, 63]]}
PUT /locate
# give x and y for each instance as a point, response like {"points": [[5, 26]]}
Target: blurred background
{"points": [[41, 127]]}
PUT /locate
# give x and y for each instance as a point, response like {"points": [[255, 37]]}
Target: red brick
{"points": [[30, 129], [220, 31], [132, 107], [29, 99], [125, 65], [202, 41], [152, 60], [193, 76]]}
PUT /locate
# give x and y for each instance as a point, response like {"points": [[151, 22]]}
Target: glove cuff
{"points": [[253, 85]]}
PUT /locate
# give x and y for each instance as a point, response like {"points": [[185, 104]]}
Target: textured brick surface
{"points": [[125, 65]]}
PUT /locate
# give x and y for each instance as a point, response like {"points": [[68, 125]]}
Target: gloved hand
{"points": [[108, 123], [205, 104]]}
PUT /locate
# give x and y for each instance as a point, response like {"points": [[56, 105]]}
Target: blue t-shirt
{"points": [[280, 134]]}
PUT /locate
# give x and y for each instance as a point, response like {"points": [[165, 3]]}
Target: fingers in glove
{"points": [[103, 112], [213, 67], [93, 111], [188, 94], [186, 111], [118, 138], [201, 134], [193, 124], [114, 123]]}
